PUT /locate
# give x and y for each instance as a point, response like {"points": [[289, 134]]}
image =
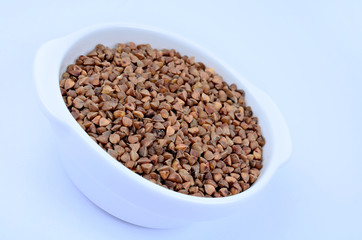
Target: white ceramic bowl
{"points": [[108, 183]]}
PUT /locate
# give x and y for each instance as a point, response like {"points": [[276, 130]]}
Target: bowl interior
{"points": [[110, 36]]}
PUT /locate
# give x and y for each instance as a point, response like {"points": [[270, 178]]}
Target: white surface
{"points": [[306, 56]]}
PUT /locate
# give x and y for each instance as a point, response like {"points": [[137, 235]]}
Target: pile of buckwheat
{"points": [[166, 117]]}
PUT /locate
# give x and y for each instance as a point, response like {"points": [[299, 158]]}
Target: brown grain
{"points": [[167, 118]]}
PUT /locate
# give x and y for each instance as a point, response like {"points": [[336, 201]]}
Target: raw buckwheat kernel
{"points": [[166, 117]]}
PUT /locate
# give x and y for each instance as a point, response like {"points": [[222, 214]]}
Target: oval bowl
{"points": [[108, 183]]}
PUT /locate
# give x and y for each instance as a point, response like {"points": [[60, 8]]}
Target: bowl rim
{"points": [[65, 43]]}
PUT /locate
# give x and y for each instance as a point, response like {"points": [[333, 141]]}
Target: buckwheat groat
{"points": [[168, 118]]}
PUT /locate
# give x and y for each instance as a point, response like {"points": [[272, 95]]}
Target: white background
{"points": [[307, 55]]}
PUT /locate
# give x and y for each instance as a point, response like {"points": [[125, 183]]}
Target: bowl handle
{"points": [[282, 139], [46, 64]]}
